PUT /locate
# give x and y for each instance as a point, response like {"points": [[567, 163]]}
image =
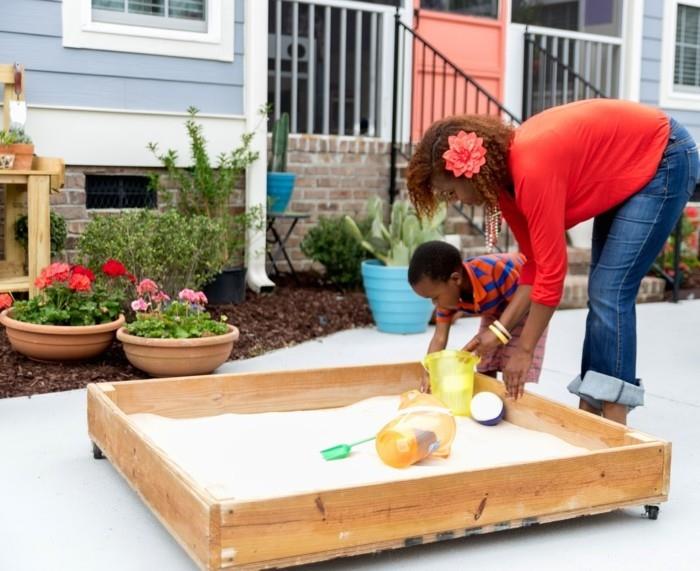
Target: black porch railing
{"points": [[438, 88]]}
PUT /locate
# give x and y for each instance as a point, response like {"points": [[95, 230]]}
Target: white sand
{"points": [[252, 456]]}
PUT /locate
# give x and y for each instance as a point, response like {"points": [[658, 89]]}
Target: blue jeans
{"points": [[626, 241]]}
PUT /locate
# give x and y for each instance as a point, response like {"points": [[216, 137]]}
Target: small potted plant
{"points": [[280, 184], [211, 190], [18, 144], [171, 338], [74, 316], [395, 307], [7, 155]]}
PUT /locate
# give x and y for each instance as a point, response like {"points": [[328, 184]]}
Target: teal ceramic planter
{"points": [[280, 186], [396, 308]]}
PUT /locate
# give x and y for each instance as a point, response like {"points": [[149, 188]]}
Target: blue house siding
{"points": [[30, 33], [651, 66]]}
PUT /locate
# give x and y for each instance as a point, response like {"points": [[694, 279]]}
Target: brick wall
{"points": [[335, 176]]}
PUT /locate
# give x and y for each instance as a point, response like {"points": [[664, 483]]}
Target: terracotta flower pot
{"points": [[24, 155], [59, 342], [178, 357]]}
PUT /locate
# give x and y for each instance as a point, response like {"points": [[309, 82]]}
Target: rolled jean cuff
{"points": [[574, 388], [600, 387]]}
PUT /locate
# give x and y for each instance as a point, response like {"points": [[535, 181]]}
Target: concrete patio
{"points": [[63, 510]]}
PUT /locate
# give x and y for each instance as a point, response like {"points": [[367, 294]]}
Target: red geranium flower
{"points": [[131, 277], [5, 301], [57, 271], [79, 282], [42, 281], [691, 212], [114, 268], [83, 271]]}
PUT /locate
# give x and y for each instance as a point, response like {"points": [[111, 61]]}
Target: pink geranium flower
{"points": [[188, 295], [466, 154], [57, 271], [146, 286], [201, 298], [160, 296], [140, 304]]}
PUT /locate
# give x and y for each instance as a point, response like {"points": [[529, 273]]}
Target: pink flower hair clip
{"points": [[466, 154]]}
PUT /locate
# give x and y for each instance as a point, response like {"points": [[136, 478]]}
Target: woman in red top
{"points": [[628, 166]]}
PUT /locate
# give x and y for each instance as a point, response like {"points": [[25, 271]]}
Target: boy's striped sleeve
{"points": [[444, 315]]}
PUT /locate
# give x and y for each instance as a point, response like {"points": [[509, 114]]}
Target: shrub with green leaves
{"points": [[59, 233], [331, 244], [175, 250]]}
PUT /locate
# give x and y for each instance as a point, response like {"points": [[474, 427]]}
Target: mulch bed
{"points": [[289, 315]]}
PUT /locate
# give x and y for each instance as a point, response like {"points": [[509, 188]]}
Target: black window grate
{"points": [[119, 191]]}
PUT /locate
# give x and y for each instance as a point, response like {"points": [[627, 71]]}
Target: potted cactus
{"points": [[395, 306], [280, 184]]}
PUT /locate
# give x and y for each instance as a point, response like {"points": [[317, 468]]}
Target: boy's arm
{"points": [[439, 340]]}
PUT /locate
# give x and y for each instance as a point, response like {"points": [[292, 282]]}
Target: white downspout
{"points": [[255, 96]]}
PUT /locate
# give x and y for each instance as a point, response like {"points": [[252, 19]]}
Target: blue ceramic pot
{"points": [[396, 308], [280, 186]]}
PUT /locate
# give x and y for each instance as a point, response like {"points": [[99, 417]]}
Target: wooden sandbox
{"points": [[620, 467]]}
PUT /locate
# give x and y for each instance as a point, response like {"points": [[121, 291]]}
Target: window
{"points": [[686, 69], [201, 29], [483, 8], [109, 191], [187, 15], [591, 16]]}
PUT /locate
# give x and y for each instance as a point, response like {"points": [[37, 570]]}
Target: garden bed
{"points": [[266, 322]]}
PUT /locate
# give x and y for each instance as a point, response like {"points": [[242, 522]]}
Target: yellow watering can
{"points": [[452, 378]]}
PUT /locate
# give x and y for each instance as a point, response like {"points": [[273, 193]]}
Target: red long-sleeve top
{"points": [[569, 164]]}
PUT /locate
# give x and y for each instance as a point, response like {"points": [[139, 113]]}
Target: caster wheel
{"points": [[652, 512], [96, 452]]}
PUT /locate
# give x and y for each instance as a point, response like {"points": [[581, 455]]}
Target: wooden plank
{"points": [[7, 73], [179, 504], [11, 177], [14, 284], [188, 397], [436, 537], [52, 165], [341, 521], [10, 270], [573, 425], [39, 239]]}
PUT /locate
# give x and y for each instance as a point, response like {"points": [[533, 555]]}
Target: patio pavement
{"points": [[62, 510]]}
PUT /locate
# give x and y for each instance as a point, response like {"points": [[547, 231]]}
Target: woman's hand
{"points": [[515, 372], [483, 343]]}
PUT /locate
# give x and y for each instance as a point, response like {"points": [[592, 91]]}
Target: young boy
{"points": [[478, 286]]}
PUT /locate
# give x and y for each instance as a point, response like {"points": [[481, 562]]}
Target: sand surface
{"points": [[252, 456]]}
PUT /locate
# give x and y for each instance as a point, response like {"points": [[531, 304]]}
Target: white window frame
{"points": [[149, 20], [216, 43], [669, 96]]}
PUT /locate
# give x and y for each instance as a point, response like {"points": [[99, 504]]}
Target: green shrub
{"points": [[59, 233], [331, 243], [174, 250]]}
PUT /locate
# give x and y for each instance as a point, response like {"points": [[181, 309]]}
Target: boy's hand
{"points": [[425, 383], [483, 343], [515, 372]]}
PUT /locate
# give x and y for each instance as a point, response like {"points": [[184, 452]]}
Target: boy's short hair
{"points": [[436, 260]]}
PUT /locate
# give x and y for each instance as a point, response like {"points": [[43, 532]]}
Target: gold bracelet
{"points": [[502, 329], [502, 338]]}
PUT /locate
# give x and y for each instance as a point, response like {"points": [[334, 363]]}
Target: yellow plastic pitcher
{"points": [[452, 378]]}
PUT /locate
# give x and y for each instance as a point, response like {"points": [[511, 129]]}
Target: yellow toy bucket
{"points": [[452, 378]]}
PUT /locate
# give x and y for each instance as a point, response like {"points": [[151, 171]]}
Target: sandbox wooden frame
{"points": [[624, 468]]}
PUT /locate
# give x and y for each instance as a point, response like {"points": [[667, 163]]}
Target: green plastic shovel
{"points": [[341, 450]]}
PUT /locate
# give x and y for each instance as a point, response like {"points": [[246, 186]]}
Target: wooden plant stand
{"points": [[47, 175]]}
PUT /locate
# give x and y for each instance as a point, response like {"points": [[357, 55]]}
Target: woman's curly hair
{"points": [[427, 159]]}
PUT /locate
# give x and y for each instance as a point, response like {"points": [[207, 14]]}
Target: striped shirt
{"points": [[494, 279]]}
